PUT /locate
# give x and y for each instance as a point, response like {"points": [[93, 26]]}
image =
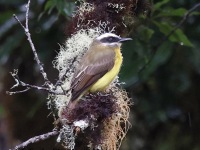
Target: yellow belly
{"points": [[103, 82]]}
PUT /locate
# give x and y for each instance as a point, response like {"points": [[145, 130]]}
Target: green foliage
{"points": [[162, 55], [161, 69], [171, 12], [178, 35], [158, 5], [146, 33], [63, 7]]}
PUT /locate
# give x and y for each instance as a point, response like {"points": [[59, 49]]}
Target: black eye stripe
{"points": [[110, 39]]}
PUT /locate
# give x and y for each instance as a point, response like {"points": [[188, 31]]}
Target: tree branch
{"points": [[36, 139], [48, 86], [27, 32], [27, 86]]}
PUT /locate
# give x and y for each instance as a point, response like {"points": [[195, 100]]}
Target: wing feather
{"points": [[90, 70]]}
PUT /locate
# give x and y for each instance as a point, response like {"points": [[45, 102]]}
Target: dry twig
{"points": [[27, 32], [27, 86], [48, 86], [36, 139]]}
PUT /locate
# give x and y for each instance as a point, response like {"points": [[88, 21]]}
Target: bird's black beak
{"points": [[125, 39]]}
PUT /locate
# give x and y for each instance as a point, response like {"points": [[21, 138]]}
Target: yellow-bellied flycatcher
{"points": [[98, 67]]}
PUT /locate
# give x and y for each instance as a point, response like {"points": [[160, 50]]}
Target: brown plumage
{"points": [[98, 67], [91, 68]]}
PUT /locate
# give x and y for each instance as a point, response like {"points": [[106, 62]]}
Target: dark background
{"points": [[162, 74]]}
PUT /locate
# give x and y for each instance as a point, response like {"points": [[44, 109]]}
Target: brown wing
{"points": [[90, 70]]}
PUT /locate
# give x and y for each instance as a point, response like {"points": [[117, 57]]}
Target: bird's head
{"points": [[110, 40]]}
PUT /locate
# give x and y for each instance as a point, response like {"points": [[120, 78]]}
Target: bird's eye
{"points": [[110, 39]]}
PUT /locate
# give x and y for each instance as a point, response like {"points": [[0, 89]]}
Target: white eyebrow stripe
{"points": [[106, 35]]}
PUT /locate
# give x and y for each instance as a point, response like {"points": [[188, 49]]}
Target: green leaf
{"points": [[164, 27], [161, 56], [69, 9], [65, 8], [145, 33], [159, 4], [170, 12], [49, 5], [60, 5], [178, 35]]}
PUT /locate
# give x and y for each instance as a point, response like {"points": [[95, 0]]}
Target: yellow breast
{"points": [[103, 82]]}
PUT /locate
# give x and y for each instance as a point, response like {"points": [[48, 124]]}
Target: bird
{"points": [[98, 67]]}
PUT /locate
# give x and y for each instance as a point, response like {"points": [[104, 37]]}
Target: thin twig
{"points": [[27, 32], [19, 21], [36, 139], [27, 86], [17, 92], [36, 58], [48, 86]]}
